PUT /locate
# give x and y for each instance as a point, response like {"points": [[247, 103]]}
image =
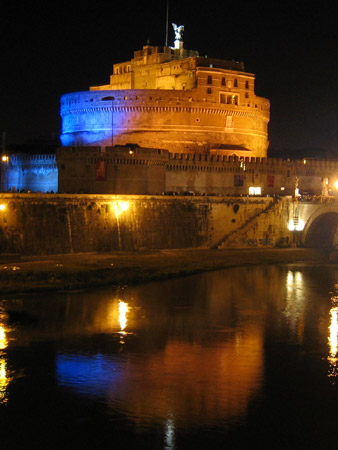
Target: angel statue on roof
{"points": [[178, 29]]}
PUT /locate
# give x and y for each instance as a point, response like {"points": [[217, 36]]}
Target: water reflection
{"points": [[333, 338], [3, 337], [169, 434], [295, 303], [123, 310], [201, 347], [189, 354], [4, 378]]}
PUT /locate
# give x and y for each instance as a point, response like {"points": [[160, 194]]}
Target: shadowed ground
{"points": [[79, 271]]}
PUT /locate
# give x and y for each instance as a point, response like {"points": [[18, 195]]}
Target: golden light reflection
{"points": [[3, 381], [333, 339], [123, 310], [295, 302], [3, 338], [180, 376], [333, 331]]}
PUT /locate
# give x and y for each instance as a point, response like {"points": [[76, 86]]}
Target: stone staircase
{"points": [[240, 230]]}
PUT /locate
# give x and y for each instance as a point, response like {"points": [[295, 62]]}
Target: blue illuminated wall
{"points": [[88, 118], [37, 173]]}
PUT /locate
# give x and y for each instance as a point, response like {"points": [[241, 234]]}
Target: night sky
{"points": [[48, 49]]}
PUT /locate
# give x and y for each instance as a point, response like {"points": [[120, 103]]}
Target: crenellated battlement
{"points": [[131, 169], [136, 170], [302, 164]]}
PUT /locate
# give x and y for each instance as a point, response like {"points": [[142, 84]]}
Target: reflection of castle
{"points": [[171, 98]]}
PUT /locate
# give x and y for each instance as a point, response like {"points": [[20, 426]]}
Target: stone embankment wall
{"points": [[37, 224]]}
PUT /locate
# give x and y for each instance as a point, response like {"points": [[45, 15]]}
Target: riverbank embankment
{"points": [[80, 271]]}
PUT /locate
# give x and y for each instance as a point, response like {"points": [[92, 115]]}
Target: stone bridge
{"points": [[286, 221], [315, 221]]}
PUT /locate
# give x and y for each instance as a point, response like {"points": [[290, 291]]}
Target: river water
{"points": [[240, 358]]}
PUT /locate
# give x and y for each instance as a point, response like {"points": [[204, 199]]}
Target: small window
{"points": [[223, 81], [247, 84], [235, 82], [246, 95], [209, 79], [209, 91]]}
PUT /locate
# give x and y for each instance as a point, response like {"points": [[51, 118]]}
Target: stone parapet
{"points": [[36, 224]]}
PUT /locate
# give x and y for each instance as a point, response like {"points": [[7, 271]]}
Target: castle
{"points": [[169, 121], [171, 98]]}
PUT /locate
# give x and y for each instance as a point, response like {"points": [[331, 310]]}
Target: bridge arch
{"points": [[321, 229]]}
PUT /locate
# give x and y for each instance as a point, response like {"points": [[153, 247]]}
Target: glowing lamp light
{"points": [[336, 184], [253, 190], [296, 225], [4, 158], [120, 207], [2, 207]]}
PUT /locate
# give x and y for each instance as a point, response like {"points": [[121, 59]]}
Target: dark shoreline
{"points": [[19, 274]]}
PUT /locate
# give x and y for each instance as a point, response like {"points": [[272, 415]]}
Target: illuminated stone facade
{"points": [[24, 172], [137, 170], [171, 99]]}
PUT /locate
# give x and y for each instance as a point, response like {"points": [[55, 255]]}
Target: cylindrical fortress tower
{"points": [[171, 99]]}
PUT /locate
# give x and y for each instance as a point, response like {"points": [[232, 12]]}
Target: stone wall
{"points": [[216, 174], [36, 224], [134, 170], [111, 170], [29, 172], [179, 121]]}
